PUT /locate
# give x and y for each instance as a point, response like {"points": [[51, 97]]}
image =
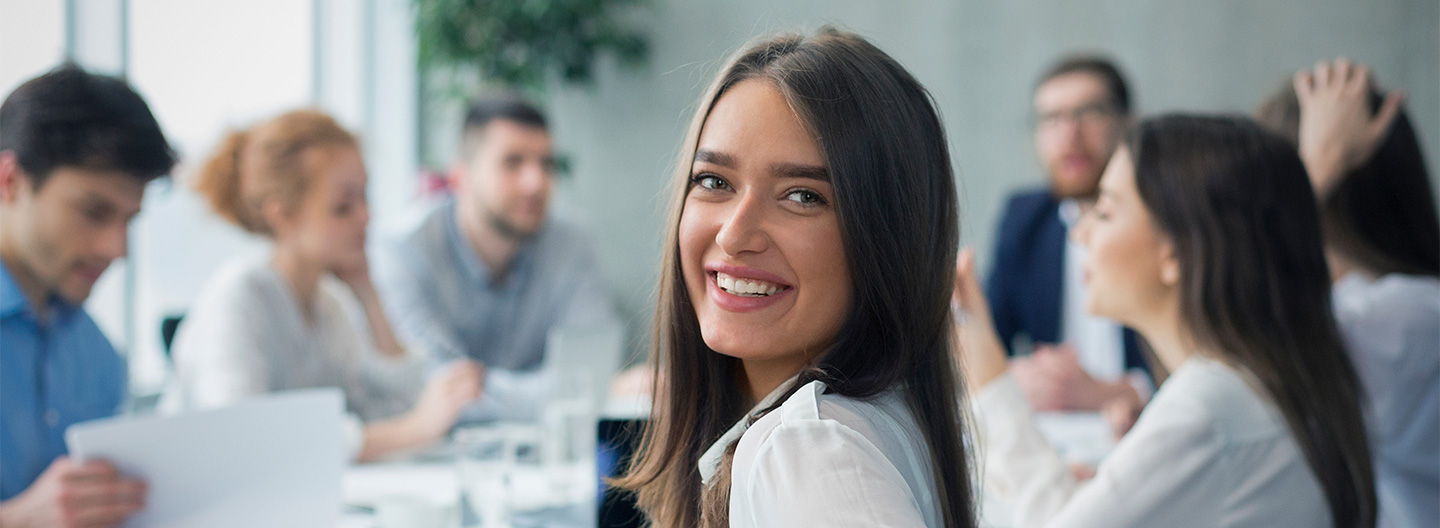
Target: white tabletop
{"points": [[432, 479]]}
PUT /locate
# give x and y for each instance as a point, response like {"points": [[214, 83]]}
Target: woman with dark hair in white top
{"points": [[802, 348], [1205, 241]]}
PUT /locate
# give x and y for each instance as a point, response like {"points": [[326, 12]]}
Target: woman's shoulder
{"points": [[241, 277], [833, 455], [814, 403], [826, 424], [235, 294], [1216, 401], [1393, 299]]}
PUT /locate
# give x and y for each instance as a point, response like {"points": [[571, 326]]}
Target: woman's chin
{"points": [[736, 346]]}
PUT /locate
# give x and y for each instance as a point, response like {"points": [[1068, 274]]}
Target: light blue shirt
{"points": [[1391, 326], [446, 302], [52, 375]]}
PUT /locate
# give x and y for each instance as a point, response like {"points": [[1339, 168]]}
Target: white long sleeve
{"points": [[246, 335], [1207, 452]]}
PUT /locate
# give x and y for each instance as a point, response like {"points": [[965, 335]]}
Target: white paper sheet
{"points": [[272, 461]]}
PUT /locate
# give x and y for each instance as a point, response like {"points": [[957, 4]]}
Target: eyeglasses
{"points": [[1087, 115]]}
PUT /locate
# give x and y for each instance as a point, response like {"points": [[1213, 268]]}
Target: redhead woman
{"points": [[279, 322], [802, 349]]}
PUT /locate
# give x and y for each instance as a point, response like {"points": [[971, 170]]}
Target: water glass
{"points": [[486, 457]]}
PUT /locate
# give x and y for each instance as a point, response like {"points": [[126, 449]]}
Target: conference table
{"points": [[539, 496], [432, 477]]}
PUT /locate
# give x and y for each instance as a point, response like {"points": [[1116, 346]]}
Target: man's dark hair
{"points": [[483, 111], [71, 118], [1100, 67]]}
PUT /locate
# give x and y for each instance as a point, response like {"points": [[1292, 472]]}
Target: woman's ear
{"points": [[1169, 264], [276, 216]]}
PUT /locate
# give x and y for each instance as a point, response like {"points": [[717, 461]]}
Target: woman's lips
{"points": [[740, 303]]}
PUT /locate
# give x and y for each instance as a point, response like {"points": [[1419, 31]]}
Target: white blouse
{"points": [[246, 335], [828, 460], [1392, 330], [1208, 451]]}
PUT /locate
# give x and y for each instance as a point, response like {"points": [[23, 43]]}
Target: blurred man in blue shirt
{"points": [[76, 152]]}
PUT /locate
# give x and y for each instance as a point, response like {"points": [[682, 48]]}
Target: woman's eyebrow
{"points": [[782, 169], [719, 158], [800, 170]]}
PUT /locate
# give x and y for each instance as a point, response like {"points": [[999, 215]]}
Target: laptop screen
{"points": [[618, 441]]}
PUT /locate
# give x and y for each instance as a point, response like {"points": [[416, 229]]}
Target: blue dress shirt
{"points": [[52, 374]]}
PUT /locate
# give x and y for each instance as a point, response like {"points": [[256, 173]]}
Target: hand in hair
{"points": [[979, 352], [1338, 132]]}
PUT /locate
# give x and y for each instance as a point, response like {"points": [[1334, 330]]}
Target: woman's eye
{"points": [[805, 197], [709, 181]]}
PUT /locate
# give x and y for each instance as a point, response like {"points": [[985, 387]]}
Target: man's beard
{"points": [[506, 229]]}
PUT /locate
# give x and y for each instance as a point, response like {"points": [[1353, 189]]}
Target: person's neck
{"points": [[1169, 337], [302, 275], [30, 285], [494, 248], [1342, 265], [762, 377]]}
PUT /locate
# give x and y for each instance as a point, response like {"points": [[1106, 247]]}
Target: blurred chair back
{"points": [[583, 360]]}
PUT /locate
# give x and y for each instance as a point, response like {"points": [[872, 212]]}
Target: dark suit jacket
{"points": [[1026, 285]]}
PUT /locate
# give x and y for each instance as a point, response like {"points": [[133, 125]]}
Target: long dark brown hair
{"points": [[1382, 215], [887, 156], [1255, 287]]}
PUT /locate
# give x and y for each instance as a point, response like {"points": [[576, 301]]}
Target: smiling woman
{"points": [[759, 240], [801, 342]]}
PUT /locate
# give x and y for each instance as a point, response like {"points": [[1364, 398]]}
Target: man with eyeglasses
{"points": [[1066, 359]]}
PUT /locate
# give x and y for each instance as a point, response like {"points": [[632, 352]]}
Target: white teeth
{"points": [[745, 287]]}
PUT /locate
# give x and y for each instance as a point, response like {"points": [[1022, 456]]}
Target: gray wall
{"points": [[979, 59]]}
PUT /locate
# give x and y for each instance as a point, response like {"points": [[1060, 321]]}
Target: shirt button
{"points": [[52, 417]]}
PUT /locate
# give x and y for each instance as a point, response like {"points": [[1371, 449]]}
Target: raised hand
{"points": [[1338, 132], [980, 354]]}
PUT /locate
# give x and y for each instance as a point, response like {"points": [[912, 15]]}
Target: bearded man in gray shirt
{"points": [[487, 273]]}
